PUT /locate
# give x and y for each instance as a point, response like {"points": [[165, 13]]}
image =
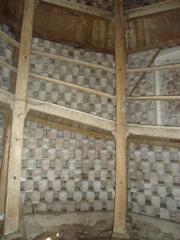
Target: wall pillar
{"points": [[119, 229], [4, 169], [11, 223]]}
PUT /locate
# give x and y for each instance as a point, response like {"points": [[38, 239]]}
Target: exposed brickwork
{"points": [[64, 171], [154, 181]]}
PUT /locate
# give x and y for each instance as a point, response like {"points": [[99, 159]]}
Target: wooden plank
{"points": [[76, 27], [11, 222], [144, 73], [56, 81], [4, 169], [154, 131], [154, 141], [71, 85], [72, 60], [9, 39], [71, 114], [65, 127], [7, 65], [154, 68], [129, 14], [81, 8], [152, 9], [159, 98], [13, 75], [6, 97], [119, 229]]}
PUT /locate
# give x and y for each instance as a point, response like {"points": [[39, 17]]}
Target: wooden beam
{"points": [[152, 9], [11, 223], [56, 81], [160, 7], [144, 73], [72, 60], [159, 98], [73, 86], [7, 65], [81, 8], [9, 39], [65, 127], [119, 229], [154, 68], [6, 97], [154, 131], [154, 141], [4, 169], [71, 114]]}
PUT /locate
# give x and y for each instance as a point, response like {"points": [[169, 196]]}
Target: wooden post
{"points": [[4, 169], [119, 229], [11, 223]]}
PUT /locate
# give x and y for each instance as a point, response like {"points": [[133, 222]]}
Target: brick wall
{"points": [[154, 181], [67, 172], [73, 73]]}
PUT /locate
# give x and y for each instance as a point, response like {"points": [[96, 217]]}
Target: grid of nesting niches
{"points": [[154, 181], [64, 171], [73, 73]]}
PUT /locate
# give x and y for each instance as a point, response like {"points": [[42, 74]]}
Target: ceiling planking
{"points": [[65, 25]]}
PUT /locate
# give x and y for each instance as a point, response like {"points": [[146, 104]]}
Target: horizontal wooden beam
{"points": [[159, 98], [129, 14], [65, 127], [7, 65], [6, 97], [73, 86], [153, 68], [152, 9], [71, 114], [81, 8], [72, 60], [9, 39], [56, 81], [154, 141], [154, 131]]}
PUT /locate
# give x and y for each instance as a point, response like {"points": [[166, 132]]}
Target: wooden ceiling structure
{"points": [[85, 27], [88, 27]]}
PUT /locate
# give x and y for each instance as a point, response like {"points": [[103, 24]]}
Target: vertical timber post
{"points": [[119, 229], [4, 170], [11, 223]]}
